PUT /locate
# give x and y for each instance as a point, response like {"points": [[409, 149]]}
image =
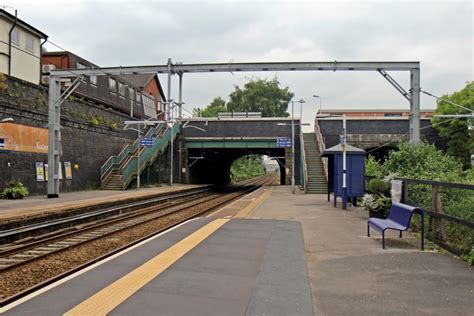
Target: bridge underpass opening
{"points": [[213, 165], [381, 153]]}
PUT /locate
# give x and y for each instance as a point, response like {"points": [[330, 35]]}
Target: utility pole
{"points": [[292, 149]]}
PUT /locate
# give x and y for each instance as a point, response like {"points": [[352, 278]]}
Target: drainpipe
{"points": [[41, 58], [10, 45]]}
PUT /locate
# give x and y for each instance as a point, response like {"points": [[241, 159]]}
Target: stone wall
{"points": [[90, 134]]}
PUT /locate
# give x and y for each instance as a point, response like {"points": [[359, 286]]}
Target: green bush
{"points": [[379, 186], [425, 162], [15, 190], [374, 168]]}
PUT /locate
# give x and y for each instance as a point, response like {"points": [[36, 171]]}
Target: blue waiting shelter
{"points": [[355, 170]]}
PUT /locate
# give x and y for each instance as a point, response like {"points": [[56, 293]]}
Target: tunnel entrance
{"points": [[213, 166]]}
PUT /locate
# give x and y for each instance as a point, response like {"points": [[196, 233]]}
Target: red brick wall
{"points": [[152, 88], [60, 61]]}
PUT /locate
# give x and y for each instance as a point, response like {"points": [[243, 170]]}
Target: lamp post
{"points": [[301, 101], [320, 103], [292, 145], [343, 143], [292, 149], [171, 141]]}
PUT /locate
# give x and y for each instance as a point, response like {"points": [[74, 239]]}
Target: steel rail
{"points": [[261, 181], [23, 254], [77, 218]]}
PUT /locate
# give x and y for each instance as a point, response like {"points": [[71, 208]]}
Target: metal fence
{"points": [[450, 212]]}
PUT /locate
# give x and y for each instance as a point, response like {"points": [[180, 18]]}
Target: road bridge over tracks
{"points": [[209, 146]]}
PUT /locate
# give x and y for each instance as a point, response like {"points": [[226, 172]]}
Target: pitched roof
{"points": [[141, 80], [138, 80], [337, 149], [22, 23]]}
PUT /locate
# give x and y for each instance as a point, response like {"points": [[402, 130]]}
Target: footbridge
{"points": [[374, 134]]}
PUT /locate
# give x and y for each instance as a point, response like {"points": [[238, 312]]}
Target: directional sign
{"points": [[147, 141], [283, 142]]}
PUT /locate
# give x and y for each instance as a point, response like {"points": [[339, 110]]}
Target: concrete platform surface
{"points": [[350, 273], [37, 205], [245, 267]]}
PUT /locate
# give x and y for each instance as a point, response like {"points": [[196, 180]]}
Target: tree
{"points": [[457, 131], [217, 105], [261, 95]]}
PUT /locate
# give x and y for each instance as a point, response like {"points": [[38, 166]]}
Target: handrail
{"points": [[107, 167], [321, 145], [132, 168], [305, 166]]}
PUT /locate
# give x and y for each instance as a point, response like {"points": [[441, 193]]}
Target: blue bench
{"points": [[399, 218]]}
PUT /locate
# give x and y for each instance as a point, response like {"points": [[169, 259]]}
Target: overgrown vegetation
{"points": [[425, 162], [247, 167], [458, 132], [94, 120]]}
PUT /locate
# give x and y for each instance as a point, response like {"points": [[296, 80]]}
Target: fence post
{"points": [[439, 231], [404, 192]]}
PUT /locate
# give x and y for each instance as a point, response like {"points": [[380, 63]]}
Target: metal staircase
{"points": [[119, 171], [316, 178]]}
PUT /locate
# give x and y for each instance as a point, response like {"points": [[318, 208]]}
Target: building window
{"points": [[160, 104], [80, 66], [392, 115], [139, 95], [93, 80], [121, 88], [29, 43], [130, 94], [112, 85], [149, 106], [16, 36]]}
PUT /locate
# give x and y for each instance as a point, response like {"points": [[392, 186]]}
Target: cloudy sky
{"points": [[112, 33]]}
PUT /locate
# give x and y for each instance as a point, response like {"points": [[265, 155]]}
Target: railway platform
{"points": [[268, 253], [35, 206]]}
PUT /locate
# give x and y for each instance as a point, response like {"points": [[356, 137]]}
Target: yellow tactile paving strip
{"points": [[110, 297], [245, 212]]}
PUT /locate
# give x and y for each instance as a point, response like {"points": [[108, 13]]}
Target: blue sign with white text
{"points": [[283, 142], [147, 141]]}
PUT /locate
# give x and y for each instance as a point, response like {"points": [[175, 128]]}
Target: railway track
{"points": [[21, 258]]}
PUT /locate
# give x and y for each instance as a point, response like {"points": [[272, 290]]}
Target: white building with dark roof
{"points": [[20, 48]]}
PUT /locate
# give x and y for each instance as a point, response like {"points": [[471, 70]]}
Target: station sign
{"points": [[283, 142], [147, 141]]}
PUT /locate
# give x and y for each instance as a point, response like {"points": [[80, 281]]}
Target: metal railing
{"points": [[148, 155], [115, 161], [321, 146], [450, 212]]}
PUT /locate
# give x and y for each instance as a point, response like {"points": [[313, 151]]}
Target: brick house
{"points": [[135, 95], [149, 83]]}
